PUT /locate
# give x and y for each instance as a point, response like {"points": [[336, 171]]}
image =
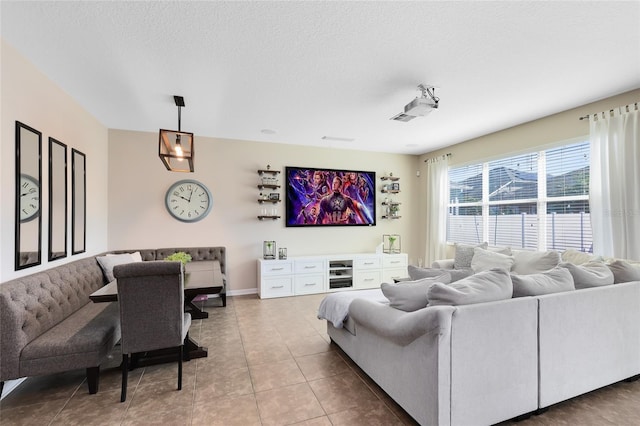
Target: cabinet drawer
{"points": [[368, 263], [309, 283], [368, 279], [277, 267], [388, 275], [309, 266], [276, 287], [394, 261]]}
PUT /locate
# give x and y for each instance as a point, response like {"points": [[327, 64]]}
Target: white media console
{"points": [[321, 274]]}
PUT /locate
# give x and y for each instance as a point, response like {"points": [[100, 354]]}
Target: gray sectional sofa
{"points": [[487, 362], [50, 325]]}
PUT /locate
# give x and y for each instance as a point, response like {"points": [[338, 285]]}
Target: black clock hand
{"points": [[190, 195], [183, 197]]}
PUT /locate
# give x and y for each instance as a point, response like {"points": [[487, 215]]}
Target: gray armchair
{"points": [[152, 313]]}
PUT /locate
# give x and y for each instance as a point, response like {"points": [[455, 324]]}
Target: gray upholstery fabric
{"points": [[484, 260], [624, 272], [484, 286], [533, 262], [464, 255], [410, 296], [107, 263], [31, 305], [151, 301], [416, 273], [553, 281], [590, 274]]}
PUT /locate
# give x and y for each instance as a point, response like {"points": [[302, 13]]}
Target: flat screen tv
{"points": [[330, 197]]}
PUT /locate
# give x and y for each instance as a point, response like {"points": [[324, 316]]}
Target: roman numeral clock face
{"points": [[188, 201]]}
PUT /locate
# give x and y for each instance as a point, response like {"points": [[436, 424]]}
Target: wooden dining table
{"points": [[200, 277]]}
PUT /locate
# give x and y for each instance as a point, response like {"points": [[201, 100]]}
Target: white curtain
{"points": [[614, 191], [437, 205]]}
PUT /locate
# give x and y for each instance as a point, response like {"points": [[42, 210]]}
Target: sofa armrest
{"points": [[399, 326], [442, 264]]}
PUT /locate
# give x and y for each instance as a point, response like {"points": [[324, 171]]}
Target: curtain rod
{"points": [[447, 155], [628, 107]]}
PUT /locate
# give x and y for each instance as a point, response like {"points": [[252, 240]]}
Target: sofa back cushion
{"points": [[482, 287], [590, 274], [410, 296], [553, 281], [534, 262], [624, 271], [484, 260], [416, 273]]}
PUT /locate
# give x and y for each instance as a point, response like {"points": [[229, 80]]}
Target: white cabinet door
{"points": [[367, 278], [276, 286], [309, 283]]}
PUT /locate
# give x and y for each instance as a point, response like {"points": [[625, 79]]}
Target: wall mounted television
{"points": [[330, 197]]}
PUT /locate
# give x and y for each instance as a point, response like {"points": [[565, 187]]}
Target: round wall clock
{"points": [[29, 198], [188, 200]]}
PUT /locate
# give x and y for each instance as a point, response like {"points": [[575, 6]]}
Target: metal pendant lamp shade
{"points": [[175, 147]]}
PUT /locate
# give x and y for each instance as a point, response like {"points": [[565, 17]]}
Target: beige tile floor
{"points": [[270, 363]]}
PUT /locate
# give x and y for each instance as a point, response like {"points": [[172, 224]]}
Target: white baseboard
{"points": [[10, 385], [243, 292]]}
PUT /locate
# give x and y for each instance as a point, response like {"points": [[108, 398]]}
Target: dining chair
{"points": [[152, 316]]}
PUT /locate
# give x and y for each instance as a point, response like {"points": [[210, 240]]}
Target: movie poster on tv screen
{"points": [[330, 197]]}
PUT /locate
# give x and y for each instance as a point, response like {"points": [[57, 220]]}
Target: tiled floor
{"points": [[270, 363]]}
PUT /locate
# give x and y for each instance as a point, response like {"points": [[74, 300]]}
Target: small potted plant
{"points": [[179, 257]]}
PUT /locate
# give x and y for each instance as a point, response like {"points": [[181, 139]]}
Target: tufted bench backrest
{"points": [[33, 304]]}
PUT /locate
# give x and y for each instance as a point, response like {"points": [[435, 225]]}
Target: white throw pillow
{"points": [[484, 260], [576, 257], [482, 287], [464, 255], [554, 281], [534, 262], [590, 274], [137, 257], [108, 262], [410, 296]]}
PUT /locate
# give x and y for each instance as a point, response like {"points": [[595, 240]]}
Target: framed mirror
{"points": [[57, 199], [78, 202], [28, 218]]}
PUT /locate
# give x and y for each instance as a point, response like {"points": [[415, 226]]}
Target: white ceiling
{"points": [[339, 69]]}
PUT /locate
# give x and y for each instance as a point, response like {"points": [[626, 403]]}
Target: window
{"points": [[536, 201]]}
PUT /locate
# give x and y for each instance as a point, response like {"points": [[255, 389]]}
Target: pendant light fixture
{"points": [[176, 148]]}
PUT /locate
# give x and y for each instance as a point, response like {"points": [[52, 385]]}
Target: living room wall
{"points": [[138, 219], [32, 98]]}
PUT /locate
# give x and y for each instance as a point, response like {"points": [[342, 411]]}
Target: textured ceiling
{"points": [[340, 69]]}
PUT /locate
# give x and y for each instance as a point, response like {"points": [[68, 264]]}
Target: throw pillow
{"points": [[486, 286], [137, 257], [554, 281], [502, 250], [416, 273], [108, 262], [590, 274], [534, 262], [576, 257], [464, 255], [484, 260], [410, 296], [624, 271]]}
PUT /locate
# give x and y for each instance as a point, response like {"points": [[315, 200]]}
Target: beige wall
{"points": [[30, 97], [138, 182]]}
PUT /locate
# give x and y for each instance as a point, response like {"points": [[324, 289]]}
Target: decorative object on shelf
{"points": [[268, 180], [176, 148], [391, 243], [188, 200], [391, 207], [282, 253], [179, 256], [269, 250]]}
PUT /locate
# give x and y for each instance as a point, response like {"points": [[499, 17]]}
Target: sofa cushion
{"points": [[554, 281], [410, 296], [108, 262], [136, 256], [577, 257], [485, 286], [624, 271], [464, 255], [416, 273], [534, 262], [590, 274], [484, 260]]}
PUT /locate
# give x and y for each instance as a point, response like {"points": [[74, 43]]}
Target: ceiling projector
{"points": [[420, 106]]}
